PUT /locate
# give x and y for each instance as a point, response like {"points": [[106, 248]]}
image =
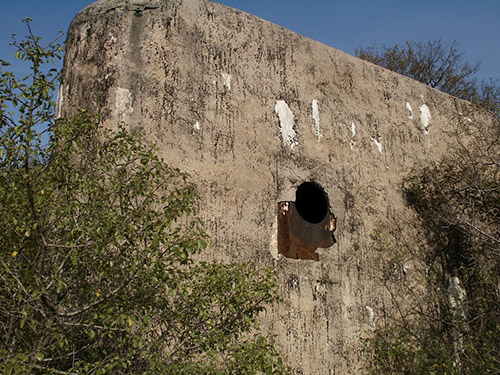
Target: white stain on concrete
{"points": [[378, 143], [353, 135], [468, 119], [273, 245], [315, 115], [410, 111], [371, 316], [227, 80], [457, 294], [83, 32], [406, 268], [60, 101], [287, 122], [197, 126], [457, 297], [123, 103], [425, 118]]}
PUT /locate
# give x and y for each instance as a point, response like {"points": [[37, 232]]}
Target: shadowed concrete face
{"points": [[252, 111]]}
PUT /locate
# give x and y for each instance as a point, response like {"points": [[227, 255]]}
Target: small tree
{"points": [[98, 234], [439, 66]]}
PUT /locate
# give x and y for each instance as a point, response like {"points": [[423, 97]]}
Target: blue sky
{"points": [[343, 24]]}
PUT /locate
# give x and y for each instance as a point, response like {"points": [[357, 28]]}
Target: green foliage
{"points": [[459, 197], [96, 253], [455, 329], [26, 104], [439, 66], [400, 351]]}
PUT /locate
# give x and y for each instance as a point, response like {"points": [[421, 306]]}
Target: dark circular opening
{"points": [[311, 202]]}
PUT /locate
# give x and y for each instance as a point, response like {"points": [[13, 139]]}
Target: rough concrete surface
{"points": [[252, 110]]}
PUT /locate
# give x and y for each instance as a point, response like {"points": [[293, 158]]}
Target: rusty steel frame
{"points": [[298, 238]]}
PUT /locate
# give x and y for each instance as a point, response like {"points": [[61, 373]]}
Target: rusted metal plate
{"points": [[298, 238]]}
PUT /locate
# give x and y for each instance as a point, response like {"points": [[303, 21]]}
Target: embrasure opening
{"points": [[311, 202]]}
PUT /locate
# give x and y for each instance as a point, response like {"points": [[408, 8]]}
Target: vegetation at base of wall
{"points": [[439, 66], [97, 242], [453, 326]]}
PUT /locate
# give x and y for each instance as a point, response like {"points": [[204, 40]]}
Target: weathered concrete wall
{"points": [[251, 111]]}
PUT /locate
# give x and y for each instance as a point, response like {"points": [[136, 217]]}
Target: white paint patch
{"points": [[425, 118], [406, 268], [227, 80], [84, 31], [371, 316], [410, 111], [273, 246], [197, 126], [315, 115], [60, 101], [378, 143], [457, 297], [457, 293], [353, 134], [285, 114], [123, 103], [468, 119]]}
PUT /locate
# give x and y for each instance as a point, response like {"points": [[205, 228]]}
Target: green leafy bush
{"points": [[96, 252]]}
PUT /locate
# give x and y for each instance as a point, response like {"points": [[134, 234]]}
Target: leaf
{"points": [[201, 244], [40, 356], [74, 258]]}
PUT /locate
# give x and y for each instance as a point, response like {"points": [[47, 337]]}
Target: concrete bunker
{"points": [[305, 224], [243, 155]]}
